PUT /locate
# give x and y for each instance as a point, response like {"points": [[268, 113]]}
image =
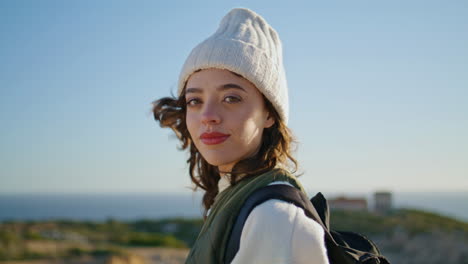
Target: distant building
{"points": [[383, 202], [343, 203]]}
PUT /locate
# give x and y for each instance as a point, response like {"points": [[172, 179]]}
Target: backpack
{"points": [[342, 247]]}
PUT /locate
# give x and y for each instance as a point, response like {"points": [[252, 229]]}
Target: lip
{"points": [[213, 138]]}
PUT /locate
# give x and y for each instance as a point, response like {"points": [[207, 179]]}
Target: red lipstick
{"points": [[213, 138]]}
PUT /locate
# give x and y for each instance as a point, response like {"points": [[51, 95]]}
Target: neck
{"points": [[225, 175], [225, 171]]}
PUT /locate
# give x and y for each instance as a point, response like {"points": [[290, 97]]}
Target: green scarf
{"points": [[209, 248]]}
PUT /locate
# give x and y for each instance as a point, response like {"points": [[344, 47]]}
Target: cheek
{"points": [[250, 131], [191, 123]]}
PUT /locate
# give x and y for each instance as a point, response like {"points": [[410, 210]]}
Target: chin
{"points": [[216, 160]]}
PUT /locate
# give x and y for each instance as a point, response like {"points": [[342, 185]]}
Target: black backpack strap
{"points": [[279, 191], [338, 248], [321, 206]]}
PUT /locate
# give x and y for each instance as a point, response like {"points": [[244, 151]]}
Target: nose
{"points": [[210, 114]]}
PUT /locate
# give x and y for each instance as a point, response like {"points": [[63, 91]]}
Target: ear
{"points": [[269, 121]]}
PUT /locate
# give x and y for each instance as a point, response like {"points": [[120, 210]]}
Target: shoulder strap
{"points": [[281, 192], [321, 206], [336, 252]]}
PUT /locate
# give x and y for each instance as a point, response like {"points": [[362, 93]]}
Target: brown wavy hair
{"points": [[276, 148]]}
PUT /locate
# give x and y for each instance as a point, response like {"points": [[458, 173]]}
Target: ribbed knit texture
{"points": [[246, 44]]}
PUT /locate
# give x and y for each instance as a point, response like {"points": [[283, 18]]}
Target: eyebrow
{"points": [[220, 88]]}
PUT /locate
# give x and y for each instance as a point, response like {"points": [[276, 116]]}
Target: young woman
{"points": [[231, 113]]}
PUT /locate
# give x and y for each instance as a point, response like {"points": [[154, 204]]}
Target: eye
{"points": [[193, 102], [232, 99]]}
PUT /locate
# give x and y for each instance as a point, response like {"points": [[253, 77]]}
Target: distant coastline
{"points": [[158, 206]]}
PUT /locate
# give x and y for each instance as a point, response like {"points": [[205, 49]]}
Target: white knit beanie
{"points": [[247, 45]]}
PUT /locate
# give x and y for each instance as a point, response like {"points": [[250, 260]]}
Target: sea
{"points": [[136, 206]]}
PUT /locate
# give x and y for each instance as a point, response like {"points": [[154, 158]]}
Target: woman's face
{"points": [[226, 116]]}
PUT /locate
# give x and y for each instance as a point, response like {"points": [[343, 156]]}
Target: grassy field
{"points": [[404, 236], [134, 255]]}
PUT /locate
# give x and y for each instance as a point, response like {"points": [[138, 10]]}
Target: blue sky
{"points": [[378, 92]]}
